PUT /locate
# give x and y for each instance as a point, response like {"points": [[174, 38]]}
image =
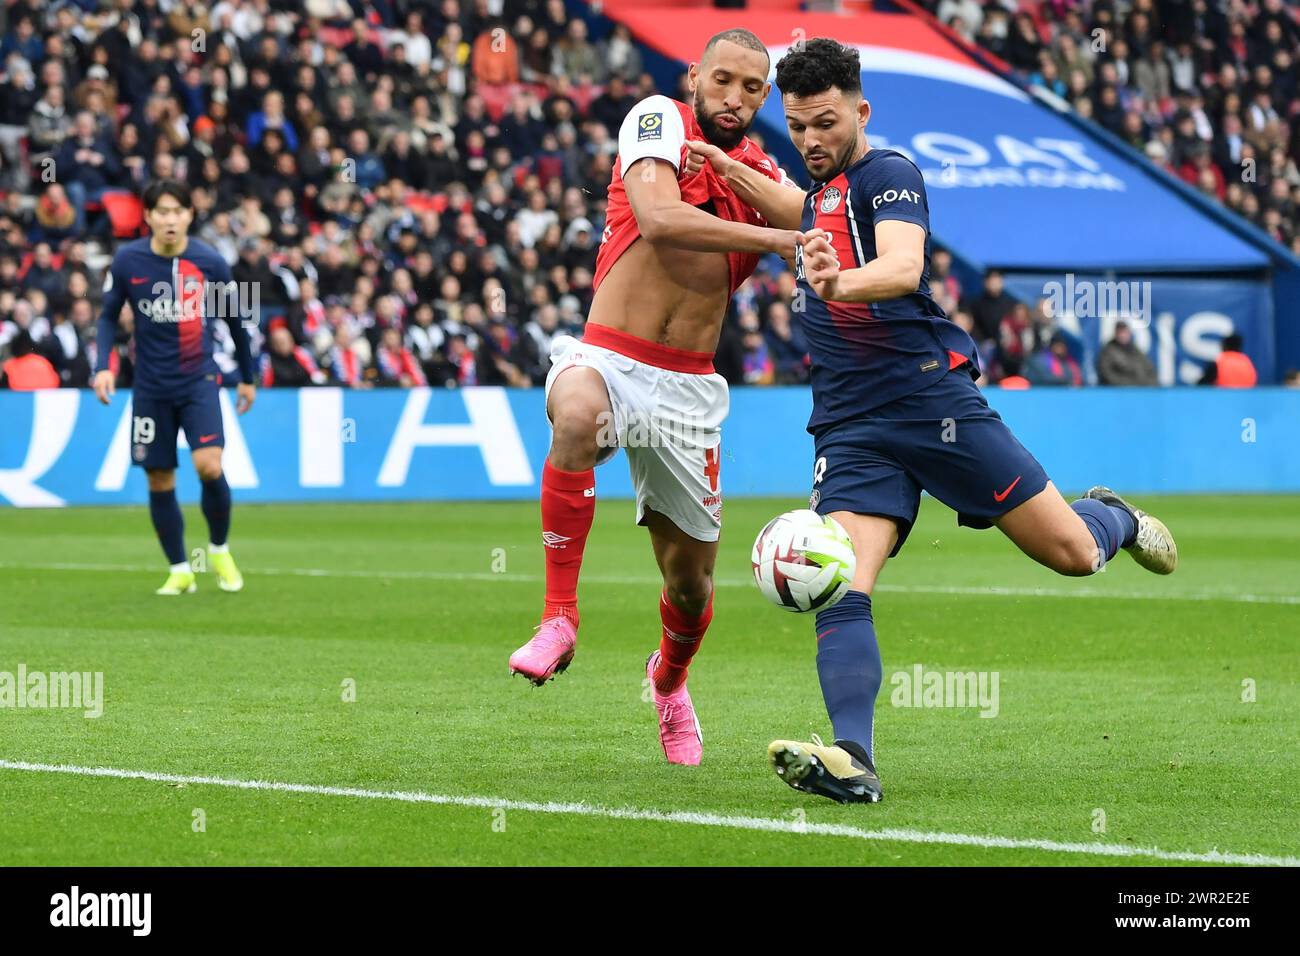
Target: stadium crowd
{"points": [[416, 187], [1209, 90]]}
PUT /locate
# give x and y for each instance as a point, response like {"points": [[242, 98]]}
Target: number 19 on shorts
{"points": [[142, 430]]}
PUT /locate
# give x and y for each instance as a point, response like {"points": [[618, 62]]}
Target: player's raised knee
{"points": [[689, 593], [582, 424], [1077, 556]]}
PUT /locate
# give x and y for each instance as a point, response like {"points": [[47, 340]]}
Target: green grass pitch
{"points": [[1121, 720]]}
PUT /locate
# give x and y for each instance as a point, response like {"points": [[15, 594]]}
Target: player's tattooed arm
{"points": [[664, 219], [896, 270], [780, 204]]}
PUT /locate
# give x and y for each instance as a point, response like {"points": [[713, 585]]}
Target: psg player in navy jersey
{"points": [[895, 405], [176, 286]]}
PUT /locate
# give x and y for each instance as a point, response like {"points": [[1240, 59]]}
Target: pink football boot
{"points": [[548, 653], [679, 729]]}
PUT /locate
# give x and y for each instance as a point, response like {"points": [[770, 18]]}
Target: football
{"points": [[803, 561]]}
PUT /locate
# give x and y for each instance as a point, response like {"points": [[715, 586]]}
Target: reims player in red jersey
{"points": [[677, 244]]}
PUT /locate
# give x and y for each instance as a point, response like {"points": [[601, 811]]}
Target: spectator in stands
{"points": [[27, 371], [56, 219], [990, 307], [575, 56], [786, 345], [18, 98], [272, 116], [395, 365], [942, 281], [286, 364], [462, 359], [495, 56], [346, 358], [72, 357], [613, 105], [22, 39], [43, 274], [1233, 368], [1201, 172], [1053, 364], [759, 368], [87, 165], [1121, 362], [620, 55]]}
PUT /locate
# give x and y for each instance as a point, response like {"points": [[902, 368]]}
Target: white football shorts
{"points": [[668, 408]]}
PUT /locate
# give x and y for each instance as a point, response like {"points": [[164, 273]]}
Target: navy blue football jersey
{"points": [[865, 355], [174, 299]]}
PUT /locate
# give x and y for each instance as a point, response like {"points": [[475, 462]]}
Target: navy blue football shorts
{"points": [[155, 421], [944, 439]]}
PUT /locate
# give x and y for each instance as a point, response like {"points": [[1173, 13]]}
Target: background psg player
{"points": [[172, 283]]}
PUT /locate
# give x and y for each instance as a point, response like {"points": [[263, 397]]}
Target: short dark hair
{"points": [[167, 187], [739, 36], [816, 66], [22, 344]]}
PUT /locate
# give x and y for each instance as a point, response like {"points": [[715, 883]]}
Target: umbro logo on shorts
{"points": [[553, 540], [588, 492]]}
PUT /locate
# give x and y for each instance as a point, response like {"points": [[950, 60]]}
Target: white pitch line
{"points": [[973, 590], [764, 824]]}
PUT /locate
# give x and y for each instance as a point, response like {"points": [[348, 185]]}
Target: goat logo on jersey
{"points": [[830, 199], [895, 195]]}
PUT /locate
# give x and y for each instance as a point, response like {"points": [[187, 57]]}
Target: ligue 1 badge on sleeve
{"points": [[652, 127], [138, 452]]}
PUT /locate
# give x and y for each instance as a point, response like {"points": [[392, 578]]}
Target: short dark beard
{"points": [[724, 139], [842, 162]]}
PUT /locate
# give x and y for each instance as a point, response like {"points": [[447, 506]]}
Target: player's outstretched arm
{"points": [[781, 204], [104, 382], [896, 270], [664, 219]]}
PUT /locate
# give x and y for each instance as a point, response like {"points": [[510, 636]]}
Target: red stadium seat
{"points": [[125, 213], [424, 202], [25, 263]]}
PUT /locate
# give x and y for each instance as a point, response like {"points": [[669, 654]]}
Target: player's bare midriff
{"points": [[672, 297]]}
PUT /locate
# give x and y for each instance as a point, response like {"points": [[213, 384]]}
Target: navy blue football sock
{"points": [[216, 508], [165, 511], [1112, 528], [849, 668]]}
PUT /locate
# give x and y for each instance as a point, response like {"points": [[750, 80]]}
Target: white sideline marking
{"points": [[765, 824], [976, 590]]}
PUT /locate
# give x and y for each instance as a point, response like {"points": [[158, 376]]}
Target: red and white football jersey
{"points": [[659, 127]]}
